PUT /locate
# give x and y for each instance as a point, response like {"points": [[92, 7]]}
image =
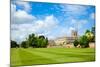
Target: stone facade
{"points": [[64, 41], [61, 41], [92, 45]]}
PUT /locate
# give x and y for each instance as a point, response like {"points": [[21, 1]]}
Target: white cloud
{"points": [[26, 6], [21, 16], [20, 31], [18, 35], [48, 23]]}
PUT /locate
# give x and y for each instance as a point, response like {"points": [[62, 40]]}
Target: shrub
{"points": [[84, 42], [76, 43], [14, 44]]}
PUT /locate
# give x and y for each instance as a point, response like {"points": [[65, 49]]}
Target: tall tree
{"points": [[31, 39]]}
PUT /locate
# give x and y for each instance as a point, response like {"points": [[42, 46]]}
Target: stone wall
{"points": [[92, 45], [70, 45]]}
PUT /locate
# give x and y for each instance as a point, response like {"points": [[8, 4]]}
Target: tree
{"points": [[24, 44], [76, 43], [42, 41], [41, 37], [30, 40], [89, 35], [84, 42], [14, 44], [36, 41], [87, 31]]}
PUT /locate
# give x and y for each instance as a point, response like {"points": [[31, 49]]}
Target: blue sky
{"points": [[49, 19]]}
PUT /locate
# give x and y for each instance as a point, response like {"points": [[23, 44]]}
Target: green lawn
{"points": [[34, 56]]}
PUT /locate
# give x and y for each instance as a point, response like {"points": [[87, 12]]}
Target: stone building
{"points": [[64, 41], [51, 43]]}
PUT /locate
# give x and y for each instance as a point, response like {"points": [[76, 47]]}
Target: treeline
{"points": [[84, 40], [31, 41]]}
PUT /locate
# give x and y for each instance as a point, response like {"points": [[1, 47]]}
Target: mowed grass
{"points": [[34, 56]]}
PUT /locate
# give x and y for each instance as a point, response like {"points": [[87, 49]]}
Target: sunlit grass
{"points": [[34, 56]]}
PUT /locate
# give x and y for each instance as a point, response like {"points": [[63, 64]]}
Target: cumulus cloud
{"points": [[48, 23], [21, 16], [25, 5]]}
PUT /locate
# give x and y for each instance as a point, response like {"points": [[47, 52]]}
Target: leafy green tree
{"points": [[30, 40], [76, 42], [84, 42], [42, 41], [14, 44], [36, 41], [89, 35], [87, 31], [24, 44]]}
